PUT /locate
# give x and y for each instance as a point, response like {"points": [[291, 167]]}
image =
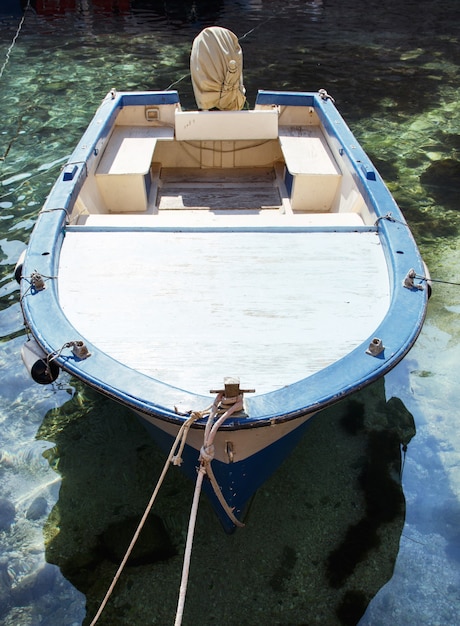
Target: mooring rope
{"points": [[435, 280], [174, 457], [2, 69], [429, 279], [182, 431], [206, 456], [13, 43]]}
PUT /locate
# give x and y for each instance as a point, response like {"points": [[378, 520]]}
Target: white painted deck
{"points": [[190, 308]]}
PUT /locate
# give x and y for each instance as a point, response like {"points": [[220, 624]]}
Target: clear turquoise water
{"points": [[331, 537]]}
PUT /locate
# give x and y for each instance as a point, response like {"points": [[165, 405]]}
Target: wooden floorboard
{"points": [[218, 188], [237, 175], [182, 197], [191, 308]]}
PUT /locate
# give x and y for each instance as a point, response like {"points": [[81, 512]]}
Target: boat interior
{"points": [[187, 166], [141, 280]]}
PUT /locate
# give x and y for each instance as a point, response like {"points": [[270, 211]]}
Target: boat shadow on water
{"points": [[321, 536]]}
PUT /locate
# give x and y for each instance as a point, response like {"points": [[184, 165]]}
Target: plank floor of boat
{"points": [[191, 308], [252, 188]]}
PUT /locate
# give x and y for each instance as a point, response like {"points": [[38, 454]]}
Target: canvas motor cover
{"points": [[216, 67]]}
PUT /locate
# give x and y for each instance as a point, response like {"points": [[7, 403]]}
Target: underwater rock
{"points": [[280, 579], [352, 607], [7, 513], [5, 586], [450, 140], [37, 509], [400, 421], [359, 540], [442, 173], [153, 543], [386, 425], [34, 585], [383, 494], [442, 181]]}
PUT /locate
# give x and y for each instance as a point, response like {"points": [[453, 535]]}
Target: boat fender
{"points": [[429, 284], [42, 370], [19, 265]]}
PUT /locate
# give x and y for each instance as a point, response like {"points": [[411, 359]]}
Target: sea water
{"points": [[361, 524]]}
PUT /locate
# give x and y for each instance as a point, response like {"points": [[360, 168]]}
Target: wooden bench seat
{"points": [[123, 174], [226, 125], [312, 175]]}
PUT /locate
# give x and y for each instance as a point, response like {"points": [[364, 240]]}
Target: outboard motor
{"points": [[216, 68]]}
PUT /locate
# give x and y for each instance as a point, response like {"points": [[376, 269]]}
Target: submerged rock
{"points": [[442, 181], [34, 585], [5, 586], [442, 173], [7, 513], [37, 509], [153, 543]]}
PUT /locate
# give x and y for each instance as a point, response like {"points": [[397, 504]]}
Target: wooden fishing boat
{"points": [[231, 271]]}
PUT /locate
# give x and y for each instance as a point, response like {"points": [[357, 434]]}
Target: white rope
{"points": [[188, 547], [10, 49], [207, 452], [182, 432], [206, 456], [174, 457]]}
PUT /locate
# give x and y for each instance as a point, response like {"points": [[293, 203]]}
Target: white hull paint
{"points": [[232, 446]]}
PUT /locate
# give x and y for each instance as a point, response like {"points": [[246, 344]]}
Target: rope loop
{"points": [[207, 453]]}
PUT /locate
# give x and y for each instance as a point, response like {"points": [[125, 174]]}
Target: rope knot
{"points": [[207, 453]]}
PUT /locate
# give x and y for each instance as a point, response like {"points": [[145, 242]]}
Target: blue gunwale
{"points": [[52, 330]]}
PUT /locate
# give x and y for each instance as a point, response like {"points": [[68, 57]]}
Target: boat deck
{"points": [[274, 305]]}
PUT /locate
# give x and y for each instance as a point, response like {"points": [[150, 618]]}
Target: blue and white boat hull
{"points": [[180, 247], [238, 478]]}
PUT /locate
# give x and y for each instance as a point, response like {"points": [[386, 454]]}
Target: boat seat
{"points": [[312, 175], [226, 125], [123, 174]]}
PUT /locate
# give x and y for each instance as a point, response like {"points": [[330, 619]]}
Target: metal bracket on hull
{"points": [[376, 347], [409, 280]]}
